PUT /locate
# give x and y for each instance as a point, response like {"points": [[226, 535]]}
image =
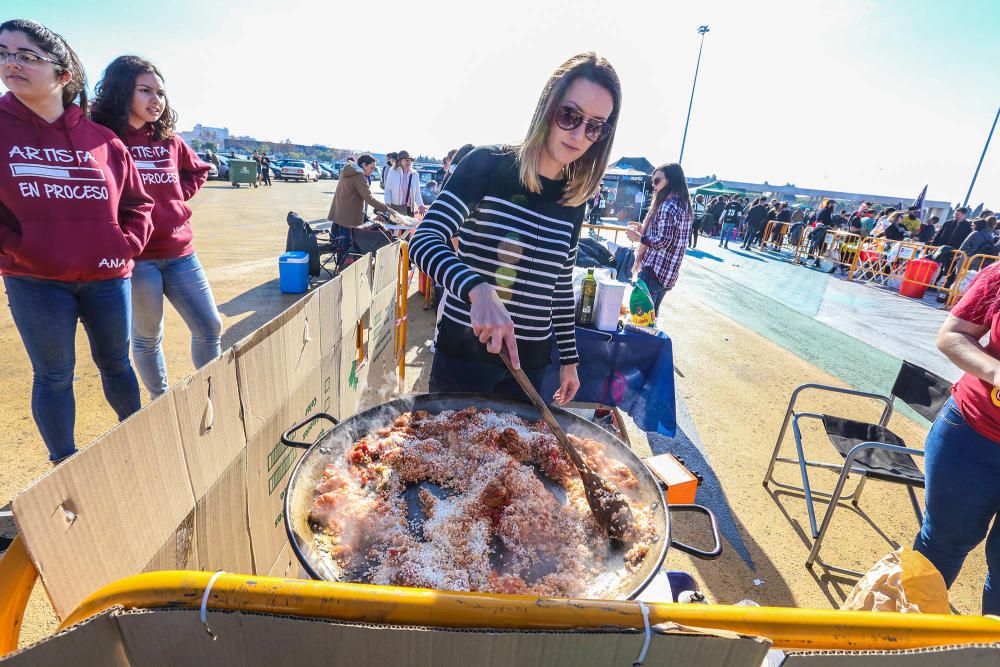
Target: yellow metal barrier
{"points": [[402, 300], [787, 628], [17, 578], [973, 264]]}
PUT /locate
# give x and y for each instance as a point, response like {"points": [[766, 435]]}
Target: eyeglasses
{"points": [[569, 119], [657, 180], [24, 58]]}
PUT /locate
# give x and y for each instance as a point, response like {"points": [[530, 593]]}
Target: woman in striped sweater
{"points": [[517, 212]]}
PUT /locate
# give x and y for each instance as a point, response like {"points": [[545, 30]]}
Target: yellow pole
{"points": [[787, 628], [402, 303], [17, 578]]}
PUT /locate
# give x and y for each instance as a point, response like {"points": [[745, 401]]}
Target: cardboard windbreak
{"points": [[196, 480], [177, 637]]}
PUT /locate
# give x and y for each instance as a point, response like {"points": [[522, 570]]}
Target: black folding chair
{"points": [[869, 450]]}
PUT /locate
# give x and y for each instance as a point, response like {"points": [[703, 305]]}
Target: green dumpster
{"points": [[242, 171]]}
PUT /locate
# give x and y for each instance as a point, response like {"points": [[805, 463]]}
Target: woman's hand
{"points": [[633, 232], [491, 322], [569, 383]]}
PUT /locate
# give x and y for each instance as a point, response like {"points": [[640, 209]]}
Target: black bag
{"points": [[593, 254], [301, 237]]}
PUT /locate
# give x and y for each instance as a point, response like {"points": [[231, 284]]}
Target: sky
{"points": [[878, 97]]}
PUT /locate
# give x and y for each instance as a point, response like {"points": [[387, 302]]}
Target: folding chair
{"points": [[869, 450]]}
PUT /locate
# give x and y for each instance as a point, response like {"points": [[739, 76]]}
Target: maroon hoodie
{"points": [[171, 174], [72, 206]]}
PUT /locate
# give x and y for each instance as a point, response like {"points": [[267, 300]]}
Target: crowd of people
{"points": [[736, 216]]}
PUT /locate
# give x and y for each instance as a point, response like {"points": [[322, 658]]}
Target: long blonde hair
{"points": [[584, 174]]}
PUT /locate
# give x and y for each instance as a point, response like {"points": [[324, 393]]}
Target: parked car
{"points": [[326, 171], [213, 171], [298, 170]]}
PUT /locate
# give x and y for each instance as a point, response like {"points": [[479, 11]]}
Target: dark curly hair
{"points": [[113, 97], [55, 46]]}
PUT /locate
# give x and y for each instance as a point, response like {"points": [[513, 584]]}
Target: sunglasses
{"points": [[568, 118], [25, 58], [657, 180]]}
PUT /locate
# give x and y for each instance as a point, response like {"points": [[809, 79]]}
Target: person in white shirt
{"points": [[402, 187], [698, 209]]}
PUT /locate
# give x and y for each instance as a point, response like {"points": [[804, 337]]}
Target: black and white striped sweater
{"points": [[521, 242]]}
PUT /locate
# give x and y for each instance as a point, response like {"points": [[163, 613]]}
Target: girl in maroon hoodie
{"points": [[132, 102], [73, 214]]}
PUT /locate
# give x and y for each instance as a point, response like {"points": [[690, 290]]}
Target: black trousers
{"points": [[453, 374]]}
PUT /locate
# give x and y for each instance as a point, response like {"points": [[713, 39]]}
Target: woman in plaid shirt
{"points": [[665, 232]]}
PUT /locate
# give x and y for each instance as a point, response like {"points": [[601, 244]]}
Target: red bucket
{"points": [[917, 271]]}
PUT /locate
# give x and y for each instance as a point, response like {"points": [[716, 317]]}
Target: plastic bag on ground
{"points": [[902, 581]]}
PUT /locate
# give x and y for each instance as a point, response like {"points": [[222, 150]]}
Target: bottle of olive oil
{"points": [[585, 308]]}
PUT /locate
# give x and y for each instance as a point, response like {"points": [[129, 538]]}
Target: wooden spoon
{"points": [[609, 506]]}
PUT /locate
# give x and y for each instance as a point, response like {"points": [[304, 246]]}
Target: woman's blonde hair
{"points": [[584, 174]]}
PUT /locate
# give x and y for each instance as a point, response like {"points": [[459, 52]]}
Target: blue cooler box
{"points": [[293, 272]]}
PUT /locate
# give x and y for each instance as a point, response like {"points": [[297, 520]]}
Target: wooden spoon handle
{"points": [[540, 405]]}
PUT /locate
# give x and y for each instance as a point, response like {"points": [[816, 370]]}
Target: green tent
{"points": [[718, 188]]}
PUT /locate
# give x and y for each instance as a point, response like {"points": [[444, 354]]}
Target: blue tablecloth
{"points": [[629, 370]]}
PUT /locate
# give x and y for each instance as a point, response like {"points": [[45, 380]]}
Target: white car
{"points": [[298, 170]]}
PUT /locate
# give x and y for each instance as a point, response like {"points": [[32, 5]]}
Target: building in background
{"points": [[207, 135]]}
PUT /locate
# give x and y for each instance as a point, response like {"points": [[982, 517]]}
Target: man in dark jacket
{"points": [[755, 222], [953, 232]]}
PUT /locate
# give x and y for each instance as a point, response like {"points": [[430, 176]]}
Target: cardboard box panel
{"points": [[354, 372], [222, 530], [109, 510], [383, 373], [330, 382], [978, 655], [330, 327], [208, 415], [386, 269], [179, 551], [273, 361], [269, 464], [350, 310], [178, 638], [96, 641]]}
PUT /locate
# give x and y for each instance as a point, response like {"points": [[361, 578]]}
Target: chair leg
{"points": [[827, 518], [857, 492], [769, 476], [916, 504], [797, 433]]}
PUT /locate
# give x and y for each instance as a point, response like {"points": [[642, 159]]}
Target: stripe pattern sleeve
{"points": [[564, 313], [430, 247]]}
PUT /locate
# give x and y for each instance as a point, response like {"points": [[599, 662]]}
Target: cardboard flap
{"points": [[208, 415], [386, 269], [972, 655], [178, 638], [221, 522], [106, 512], [271, 362], [330, 327], [96, 641]]}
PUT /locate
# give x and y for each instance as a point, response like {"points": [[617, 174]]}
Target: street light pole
{"points": [[702, 29], [978, 166]]}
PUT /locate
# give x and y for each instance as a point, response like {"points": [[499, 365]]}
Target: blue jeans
{"points": [[962, 497], [183, 282], [45, 313], [727, 230]]}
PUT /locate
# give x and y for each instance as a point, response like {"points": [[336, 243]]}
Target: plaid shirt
{"points": [[667, 238]]}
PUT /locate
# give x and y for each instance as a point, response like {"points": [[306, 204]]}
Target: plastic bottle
{"points": [[588, 295]]}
